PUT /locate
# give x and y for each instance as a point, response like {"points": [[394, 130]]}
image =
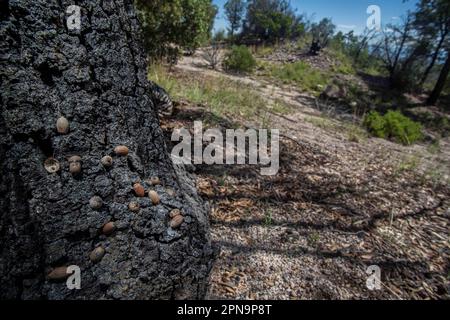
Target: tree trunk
{"points": [[433, 60], [440, 84], [96, 78]]}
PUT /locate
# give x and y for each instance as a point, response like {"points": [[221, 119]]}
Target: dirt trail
{"points": [[335, 208]]}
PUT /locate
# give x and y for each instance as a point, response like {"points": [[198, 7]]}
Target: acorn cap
{"points": [[174, 213], [52, 165], [155, 181], [133, 206], [107, 161]]}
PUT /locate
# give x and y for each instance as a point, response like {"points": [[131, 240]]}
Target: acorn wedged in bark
{"points": [[121, 150], [59, 273], [139, 190], [97, 254], [176, 221], [62, 125], [75, 165], [109, 228], [154, 197]]}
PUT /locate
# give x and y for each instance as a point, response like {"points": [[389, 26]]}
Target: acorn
{"points": [[174, 213], [59, 273], [52, 165], [62, 125], [139, 190], [109, 228], [97, 254], [155, 181], [170, 192], [121, 150], [96, 202], [75, 164], [154, 197], [133, 206], [176, 221], [107, 161]]}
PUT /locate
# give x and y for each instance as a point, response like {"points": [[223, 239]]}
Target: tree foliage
{"points": [[234, 12], [172, 25]]}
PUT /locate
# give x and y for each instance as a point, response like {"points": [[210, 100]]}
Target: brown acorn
{"points": [[52, 165], [75, 164], [176, 221], [59, 273], [107, 161], [121, 150], [109, 228], [174, 213], [97, 254], [139, 190], [133, 206], [155, 181], [153, 195], [62, 125], [96, 202]]}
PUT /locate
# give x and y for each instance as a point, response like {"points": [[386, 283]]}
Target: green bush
{"points": [[393, 125], [302, 74], [239, 59]]}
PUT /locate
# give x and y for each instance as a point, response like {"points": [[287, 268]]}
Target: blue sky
{"points": [[346, 14]]}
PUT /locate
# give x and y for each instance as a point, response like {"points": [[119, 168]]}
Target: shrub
{"points": [[239, 59], [393, 125], [376, 124], [302, 74]]}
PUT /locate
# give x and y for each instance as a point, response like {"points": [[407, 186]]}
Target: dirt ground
{"points": [[336, 207]]}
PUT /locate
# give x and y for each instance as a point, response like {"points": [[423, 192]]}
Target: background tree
{"points": [[271, 20], [170, 26], [432, 21], [234, 12], [323, 31]]}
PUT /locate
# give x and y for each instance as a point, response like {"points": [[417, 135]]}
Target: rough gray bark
{"points": [[96, 78]]}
